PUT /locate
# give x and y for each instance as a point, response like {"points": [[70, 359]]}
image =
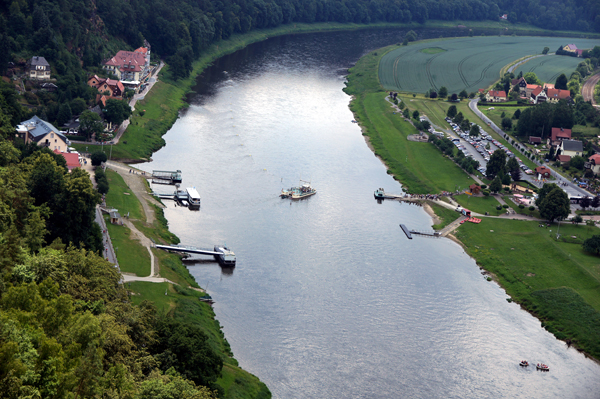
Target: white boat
{"points": [[303, 191], [193, 197]]}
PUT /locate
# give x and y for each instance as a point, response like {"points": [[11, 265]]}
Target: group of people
{"points": [[430, 196]]}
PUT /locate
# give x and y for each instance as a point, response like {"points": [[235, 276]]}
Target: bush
{"points": [[98, 157], [499, 207], [505, 206], [485, 192], [521, 206], [532, 208], [483, 186]]}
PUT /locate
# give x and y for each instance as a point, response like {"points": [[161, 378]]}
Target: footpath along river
{"points": [[328, 298]]}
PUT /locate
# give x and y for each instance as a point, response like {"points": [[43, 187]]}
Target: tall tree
{"points": [[555, 205], [561, 82], [496, 164]]}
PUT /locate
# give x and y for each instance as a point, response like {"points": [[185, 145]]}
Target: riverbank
{"points": [[548, 276]]}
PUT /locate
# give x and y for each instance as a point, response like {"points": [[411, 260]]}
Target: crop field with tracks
{"points": [[469, 63], [548, 68]]}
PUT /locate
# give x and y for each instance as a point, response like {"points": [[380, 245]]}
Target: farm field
{"points": [[463, 63], [548, 68]]}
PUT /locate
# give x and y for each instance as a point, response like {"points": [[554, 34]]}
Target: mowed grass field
{"points": [[467, 63], [549, 67]]}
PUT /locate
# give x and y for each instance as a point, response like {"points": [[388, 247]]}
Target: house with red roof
{"points": [[538, 96], [529, 89], [72, 159], [495, 96], [114, 88], [129, 66], [559, 134], [555, 95], [543, 171], [563, 159], [594, 163]]}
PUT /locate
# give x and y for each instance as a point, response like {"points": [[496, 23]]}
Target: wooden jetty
{"points": [[409, 233]]}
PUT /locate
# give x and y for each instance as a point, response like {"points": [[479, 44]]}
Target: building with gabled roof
{"points": [[129, 66], [72, 158], [43, 133], [538, 95], [558, 134], [38, 68], [543, 171], [495, 96], [572, 148], [594, 163], [555, 95]]}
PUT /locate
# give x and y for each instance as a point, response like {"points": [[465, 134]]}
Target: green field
{"points": [[468, 63], [548, 68]]}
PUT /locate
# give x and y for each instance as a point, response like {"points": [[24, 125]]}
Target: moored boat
{"points": [[225, 256]]}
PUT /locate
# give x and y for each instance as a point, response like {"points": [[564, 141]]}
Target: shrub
{"points": [[483, 186], [505, 206], [98, 157], [485, 192], [532, 208], [499, 207]]}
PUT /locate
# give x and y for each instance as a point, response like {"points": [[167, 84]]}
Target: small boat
{"points": [[542, 367], [303, 191], [524, 363], [225, 256], [379, 193]]}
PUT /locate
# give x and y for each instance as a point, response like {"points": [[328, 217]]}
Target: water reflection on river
{"points": [[329, 299]]}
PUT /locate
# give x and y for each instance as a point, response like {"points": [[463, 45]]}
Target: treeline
{"points": [[67, 326]]}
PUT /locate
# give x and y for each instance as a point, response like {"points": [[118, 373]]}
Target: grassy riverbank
{"points": [[553, 279], [179, 300]]}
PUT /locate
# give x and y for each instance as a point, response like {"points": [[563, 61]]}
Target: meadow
{"points": [[548, 68], [468, 63]]}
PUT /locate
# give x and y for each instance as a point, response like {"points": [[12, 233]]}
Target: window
{"points": [[51, 135]]}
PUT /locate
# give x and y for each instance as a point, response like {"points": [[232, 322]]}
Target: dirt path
{"points": [[135, 180]]}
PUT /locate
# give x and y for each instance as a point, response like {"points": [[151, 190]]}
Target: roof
{"points": [[496, 93], [533, 86], [142, 50], [115, 215], [71, 158], [534, 139], [595, 159], [537, 91], [543, 169], [38, 61], [559, 132], [515, 82], [127, 61], [38, 128], [548, 86], [481, 91], [564, 158], [572, 145], [571, 46], [559, 94]]}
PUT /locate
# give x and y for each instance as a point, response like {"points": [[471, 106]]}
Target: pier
{"points": [[166, 177], [188, 249], [409, 233]]}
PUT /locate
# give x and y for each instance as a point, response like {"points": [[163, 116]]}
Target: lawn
{"points": [[161, 294], [122, 198], [480, 204], [133, 257], [446, 215], [527, 260], [468, 63]]}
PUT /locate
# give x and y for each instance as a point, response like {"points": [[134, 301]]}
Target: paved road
{"points": [[588, 88], [568, 187]]}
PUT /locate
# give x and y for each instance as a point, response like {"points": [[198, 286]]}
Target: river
{"points": [[329, 299]]}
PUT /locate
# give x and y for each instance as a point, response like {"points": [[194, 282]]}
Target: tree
{"points": [[532, 79], [463, 94], [90, 124], [592, 245], [517, 114], [506, 123], [474, 131], [545, 50], [411, 36], [513, 168], [433, 94], [585, 202], [577, 162], [406, 113], [561, 82], [443, 92], [496, 184], [577, 219], [116, 111], [496, 164], [64, 114], [555, 204], [451, 111], [415, 114], [458, 118], [454, 97], [98, 157], [595, 202]]}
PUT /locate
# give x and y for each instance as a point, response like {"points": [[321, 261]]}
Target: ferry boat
{"points": [[303, 191], [193, 198], [226, 257]]}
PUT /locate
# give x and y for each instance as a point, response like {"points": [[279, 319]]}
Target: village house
{"points": [[594, 163], [559, 134], [543, 171], [131, 67], [571, 147], [571, 48], [538, 95], [112, 87], [555, 95], [38, 68], [72, 158], [495, 96], [535, 140], [563, 159], [521, 83], [43, 133], [529, 89]]}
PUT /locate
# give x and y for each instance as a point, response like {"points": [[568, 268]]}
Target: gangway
{"points": [[166, 177], [188, 249]]}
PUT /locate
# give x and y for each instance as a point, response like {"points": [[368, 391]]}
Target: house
{"points": [[555, 95], [115, 218], [72, 158], [114, 88], [543, 171], [538, 95], [548, 86], [43, 133], [51, 87], [504, 17], [38, 68], [495, 96], [571, 147], [571, 48], [594, 163], [475, 188], [563, 158], [131, 67], [521, 83], [559, 134], [530, 88], [535, 140]]}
